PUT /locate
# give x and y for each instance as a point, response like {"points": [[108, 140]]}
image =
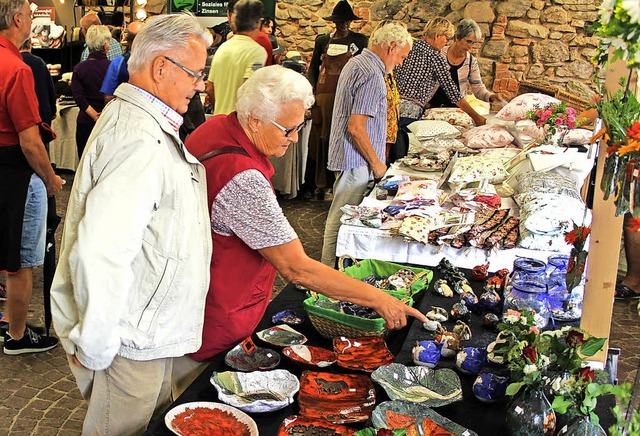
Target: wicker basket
{"points": [[525, 87], [331, 323], [579, 104]]}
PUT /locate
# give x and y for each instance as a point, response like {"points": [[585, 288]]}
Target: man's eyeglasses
{"points": [[289, 132], [196, 76]]}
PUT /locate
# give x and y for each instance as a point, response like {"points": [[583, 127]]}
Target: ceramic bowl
{"points": [[231, 414], [254, 392], [308, 356], [489, 387], [287, 317], [282, 336], [303, 426], [253, 359], [470, 359], [419, 384], [363, 353], [390, 414], [336, 398], [427, 353]]}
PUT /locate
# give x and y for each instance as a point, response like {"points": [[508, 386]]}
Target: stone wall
{"points": [[535, 40]]}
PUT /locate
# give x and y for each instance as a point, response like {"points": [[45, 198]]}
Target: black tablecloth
{"points": [[484, 419]]}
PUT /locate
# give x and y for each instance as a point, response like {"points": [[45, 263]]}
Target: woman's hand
{"points": [[395, 312]]}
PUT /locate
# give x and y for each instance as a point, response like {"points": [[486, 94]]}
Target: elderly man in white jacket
{"points": [[129, 292]]}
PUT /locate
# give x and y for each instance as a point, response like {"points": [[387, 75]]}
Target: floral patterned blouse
{"points": [[393, 109]]}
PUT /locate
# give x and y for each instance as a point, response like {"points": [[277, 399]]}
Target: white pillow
{"points": [[488, 136], [529, 128], [477, 168], [452, 115], [517, 108], [424, 129], [577, 137]]}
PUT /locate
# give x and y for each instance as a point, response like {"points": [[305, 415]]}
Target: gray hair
{"points": [[247, 15], [389, 32], [9, 8], [468, 27], [165, 33], [96, 37], [268, 89]]}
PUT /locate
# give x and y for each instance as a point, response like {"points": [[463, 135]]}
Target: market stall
{"points": [[478, 417]]}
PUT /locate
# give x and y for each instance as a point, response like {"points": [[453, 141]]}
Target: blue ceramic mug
{"points": [[489, 387], [427, 353], [471, 359]]}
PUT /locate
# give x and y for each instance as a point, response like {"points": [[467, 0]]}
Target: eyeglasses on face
{"points": [[472, 42], [288, 132], [196, 76]]}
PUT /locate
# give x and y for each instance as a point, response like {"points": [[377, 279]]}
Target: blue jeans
{"points": [[34, 224]]}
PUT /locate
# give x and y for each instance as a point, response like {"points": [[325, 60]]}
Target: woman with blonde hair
{"points": [[425, 70]]}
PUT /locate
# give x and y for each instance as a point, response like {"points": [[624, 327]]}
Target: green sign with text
{"points": [[212, 8]]}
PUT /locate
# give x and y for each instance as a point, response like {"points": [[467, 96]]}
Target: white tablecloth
{"points": [[369, 243], [63, 151]]}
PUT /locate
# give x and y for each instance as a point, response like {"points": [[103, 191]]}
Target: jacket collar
{"points": [[128, 93]]}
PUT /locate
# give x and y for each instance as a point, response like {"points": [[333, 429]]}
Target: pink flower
{"points": [[571, 111], [534, 329], [558, 122]]}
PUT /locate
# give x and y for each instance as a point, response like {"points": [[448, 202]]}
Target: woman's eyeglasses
{"points": [[289, 132], [196, 76]]}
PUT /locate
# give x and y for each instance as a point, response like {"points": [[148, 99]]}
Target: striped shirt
{"points": [[173, 117], [361, 91], [418, 78]]}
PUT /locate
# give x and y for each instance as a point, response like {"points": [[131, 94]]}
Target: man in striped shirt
{"points": [[359, 123]]}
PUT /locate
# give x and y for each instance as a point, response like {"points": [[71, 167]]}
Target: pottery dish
{"points": [[214, 417], [310, 356], [256, 359], [363, 353], [253, 392], [403, 414], [419, 384], [282, 336], [303, 426]]}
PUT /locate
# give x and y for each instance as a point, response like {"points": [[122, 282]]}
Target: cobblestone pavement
{"points": [[38, 395]]}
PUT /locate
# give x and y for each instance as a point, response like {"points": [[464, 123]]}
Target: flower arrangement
{"points": [[578, 256], [617, 28], [555, 118]]}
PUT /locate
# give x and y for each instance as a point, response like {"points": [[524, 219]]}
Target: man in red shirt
{"points": [[25, 172]]}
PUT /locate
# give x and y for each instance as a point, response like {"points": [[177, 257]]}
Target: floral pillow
{"points": [[529, 128], [488, 136], [577, 137], [517, 108], [454, 116], [424, 129], [471, 169]]}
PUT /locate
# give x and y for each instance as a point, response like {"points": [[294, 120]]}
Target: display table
{"points": [[289, 169], [63, 151], [484, 419]]}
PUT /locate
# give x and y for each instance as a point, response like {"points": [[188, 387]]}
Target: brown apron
{"points": [[330, 70]]}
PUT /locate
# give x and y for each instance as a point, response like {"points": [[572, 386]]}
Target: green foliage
{"points": [[622, 427]]}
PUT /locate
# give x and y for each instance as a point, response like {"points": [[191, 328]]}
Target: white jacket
{"points": [[133, 273]]}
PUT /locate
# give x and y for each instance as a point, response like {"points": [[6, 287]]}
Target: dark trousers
{"points": [[83, 131]]}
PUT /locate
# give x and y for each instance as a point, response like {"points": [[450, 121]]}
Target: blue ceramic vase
{"points": [[427, 353], [489, 387], [471, 359]]}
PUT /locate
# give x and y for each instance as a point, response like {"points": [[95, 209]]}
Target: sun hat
{"points": [[342, 12]]}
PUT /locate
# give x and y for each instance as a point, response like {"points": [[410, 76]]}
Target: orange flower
{"points": [[602, 134], [633, 132], [571, 237], [633, 145], [634, 224]]}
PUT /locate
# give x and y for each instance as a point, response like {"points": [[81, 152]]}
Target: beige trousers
{"points": [[123, 398]]}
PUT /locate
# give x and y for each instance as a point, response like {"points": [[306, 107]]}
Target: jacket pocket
{"points": [[156, 283]]}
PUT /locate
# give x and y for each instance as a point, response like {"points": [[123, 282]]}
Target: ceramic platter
{"points": [[363, 353], [206, 418], [305, 355], [282, 336], [259, 391], [287, 317], [302, 426], [258, 359], [337, 398], [404, 414], [419, 384]]}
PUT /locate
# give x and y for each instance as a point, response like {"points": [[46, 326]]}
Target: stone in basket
{"points": [[326, 316]]}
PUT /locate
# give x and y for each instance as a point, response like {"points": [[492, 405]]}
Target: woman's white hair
{"points": [[165, 33], [389, 32], [96, 37], [270, 88]]}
